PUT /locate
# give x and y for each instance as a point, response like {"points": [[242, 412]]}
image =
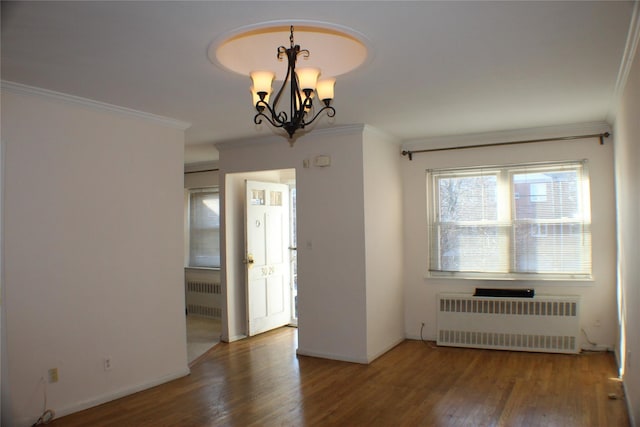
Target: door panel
{"points": [[267, 237]]}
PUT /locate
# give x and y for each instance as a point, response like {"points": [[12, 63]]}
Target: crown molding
{"points": [[89, 103], [508, 135], [629, 54]]}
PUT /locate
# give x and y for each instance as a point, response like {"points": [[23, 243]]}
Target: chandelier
{"points": [[303, 87]]}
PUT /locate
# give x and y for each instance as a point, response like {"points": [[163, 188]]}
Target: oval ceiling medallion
{"points": [[334, 49]]}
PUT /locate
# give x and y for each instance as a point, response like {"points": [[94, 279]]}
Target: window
{"points": [[515, 222], [204, 228]]}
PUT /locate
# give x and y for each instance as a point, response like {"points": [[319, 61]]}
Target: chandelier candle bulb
{"points": [[262, 81], [325, 89], [308, 78]]}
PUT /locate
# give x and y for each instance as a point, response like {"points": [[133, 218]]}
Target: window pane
{"points": [[550, 235], [548, 195], [276, 198], [552, 247], [468, 198], [462, 245], [257, 197], [471, 248], [204, 229]]}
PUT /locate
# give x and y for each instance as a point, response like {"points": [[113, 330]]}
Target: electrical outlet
{"points": [[53, 375], [107, 363]]}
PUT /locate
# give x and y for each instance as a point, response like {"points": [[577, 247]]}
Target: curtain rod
{"points": [[205, 170], [410, 153]]}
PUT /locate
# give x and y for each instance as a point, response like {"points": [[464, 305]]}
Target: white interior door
{"points": [[267, 257]]}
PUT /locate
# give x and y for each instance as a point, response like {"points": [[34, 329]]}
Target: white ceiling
{"points": [[436, 68]]}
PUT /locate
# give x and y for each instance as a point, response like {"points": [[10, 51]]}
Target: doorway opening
{"points": [[260, 250], [203, 298]]}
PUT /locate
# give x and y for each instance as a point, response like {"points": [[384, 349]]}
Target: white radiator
{"points": [[544, 323], [203, 299]]}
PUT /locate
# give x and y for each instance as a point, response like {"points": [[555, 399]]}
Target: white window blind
{"points": [[204, 228], [526, 221]]}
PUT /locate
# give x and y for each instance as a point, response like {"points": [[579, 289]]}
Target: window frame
{"points": [[506, 207], [190, 192]]}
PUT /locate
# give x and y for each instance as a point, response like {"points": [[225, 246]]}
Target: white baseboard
{"points": [[385, 349], [234, 338], [417, 337], [340, 357], [90, 403], [597, 347], [362, 360]]}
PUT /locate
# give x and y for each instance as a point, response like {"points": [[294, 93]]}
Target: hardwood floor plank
{"points": [[261, 382]]}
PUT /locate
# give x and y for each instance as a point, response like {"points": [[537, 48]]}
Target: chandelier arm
{"points": [[300, 113], [284, 83], [257, 119], [295, 97], [331, 112], [280, 118], [280, 52], [297, 102]]}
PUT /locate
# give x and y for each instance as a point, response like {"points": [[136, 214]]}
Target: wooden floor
{"points": [[261, 382]]}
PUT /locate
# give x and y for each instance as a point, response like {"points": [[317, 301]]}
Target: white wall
{"points": [[4, 386], [331, 251], [383, 235], [92, 253], [332, 281], [627, 161], [598, 297]]}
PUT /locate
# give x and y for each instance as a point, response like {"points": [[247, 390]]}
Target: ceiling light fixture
{"points": [[303, 86], [248, 51]]}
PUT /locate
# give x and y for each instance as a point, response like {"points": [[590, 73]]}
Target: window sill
{"points": [[578, 280], [203, 268]]}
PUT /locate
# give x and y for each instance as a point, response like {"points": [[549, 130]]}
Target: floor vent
{"points": [[543, 323]]}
